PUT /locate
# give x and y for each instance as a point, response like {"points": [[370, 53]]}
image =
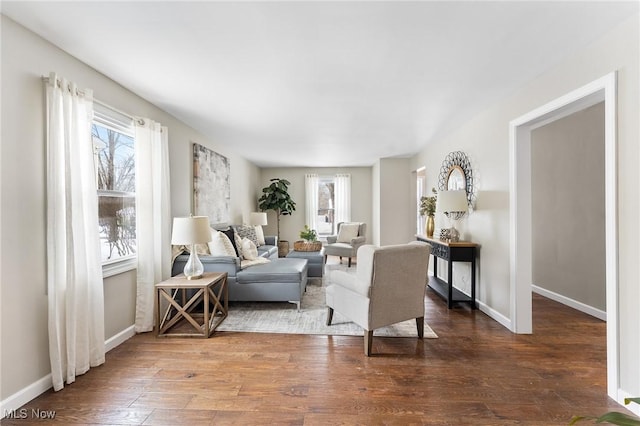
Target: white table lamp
{"points": [[257, 219], [190, 231], [454, 205]]}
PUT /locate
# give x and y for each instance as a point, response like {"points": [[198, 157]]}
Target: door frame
{"points": [[602, 89]]}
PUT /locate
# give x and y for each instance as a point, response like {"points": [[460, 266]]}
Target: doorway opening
{"points": [[603, 89]]}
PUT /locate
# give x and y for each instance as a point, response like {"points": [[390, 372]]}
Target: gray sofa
{"points": [[276, 281]]}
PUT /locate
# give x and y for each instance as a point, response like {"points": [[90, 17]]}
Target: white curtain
{"points": [[343, 197], [153, 216], [74, 267], [311, 200]]}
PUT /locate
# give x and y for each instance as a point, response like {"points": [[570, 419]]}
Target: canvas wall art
{"points": [[211, 185]]}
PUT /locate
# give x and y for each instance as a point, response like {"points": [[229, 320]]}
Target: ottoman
{"points": [[315, 260]]}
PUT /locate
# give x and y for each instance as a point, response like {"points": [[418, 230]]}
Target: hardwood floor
{"points": [[476, 373]]}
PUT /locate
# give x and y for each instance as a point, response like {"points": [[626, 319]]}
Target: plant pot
{"points": [[302, 245], [283, 248]]}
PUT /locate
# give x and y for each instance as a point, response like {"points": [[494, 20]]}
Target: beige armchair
{"points": [[351, 235], [388, 287]]}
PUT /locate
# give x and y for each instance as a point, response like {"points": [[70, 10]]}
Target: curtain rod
{"points": [[138, 120]]}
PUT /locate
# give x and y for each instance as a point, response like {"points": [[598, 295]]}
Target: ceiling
{"points": [[321, 84]]}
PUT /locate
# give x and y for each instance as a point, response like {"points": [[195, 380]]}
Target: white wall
{"points": [[25, 58], [485, 138], [291, 225]]}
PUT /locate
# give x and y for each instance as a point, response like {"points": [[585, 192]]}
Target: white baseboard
{"points": [[495, 315], [579, 306], [37, 388], [18, 399], [119, 338], [633, 407]]}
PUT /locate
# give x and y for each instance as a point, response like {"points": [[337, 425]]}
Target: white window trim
{"points": [[113, 119], [119, 266]]}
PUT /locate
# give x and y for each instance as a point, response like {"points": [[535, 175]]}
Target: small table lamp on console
{"points": [[454, 205], [190, 231]]}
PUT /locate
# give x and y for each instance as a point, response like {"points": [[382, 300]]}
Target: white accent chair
{"points": [[350, 237], [388, 287]]}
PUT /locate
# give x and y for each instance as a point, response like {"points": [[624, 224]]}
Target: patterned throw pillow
{"points": [[231, 235], [246, 231]]}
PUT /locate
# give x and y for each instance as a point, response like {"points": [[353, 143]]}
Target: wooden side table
{"points": [[461, 251], [180, 310]]}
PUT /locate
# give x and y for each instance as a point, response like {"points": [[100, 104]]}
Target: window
{"points": [[421, 184], [326, 206], [114, 157], [327, 202]]}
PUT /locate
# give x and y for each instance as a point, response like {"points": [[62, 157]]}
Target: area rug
{"points": [[283, 317]]}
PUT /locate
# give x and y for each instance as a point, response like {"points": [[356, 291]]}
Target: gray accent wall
{"points": [[568, 215]]}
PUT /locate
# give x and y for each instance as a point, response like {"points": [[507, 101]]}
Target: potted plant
{"points": [[428, 208], [308, 234], [276, 197], [309, 240]]}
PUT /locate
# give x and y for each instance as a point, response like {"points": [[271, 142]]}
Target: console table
{"points": [[461, 251]]}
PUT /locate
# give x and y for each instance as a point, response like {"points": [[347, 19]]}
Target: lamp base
{"points": [[454, 235], [194, 269]]}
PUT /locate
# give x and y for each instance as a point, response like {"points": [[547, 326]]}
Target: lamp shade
{"points": [[257, 218], [452, 201], [190, 230]]}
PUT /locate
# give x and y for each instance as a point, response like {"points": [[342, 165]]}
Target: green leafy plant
{"points": [[308, 234], [276, 197], [613, 417], [428, 204]]}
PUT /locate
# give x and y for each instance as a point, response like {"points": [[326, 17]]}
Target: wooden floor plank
{"points": [[476, 372]]}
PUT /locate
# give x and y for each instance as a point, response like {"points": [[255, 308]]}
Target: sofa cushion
{"points": [[268, 251], [278, 271]]}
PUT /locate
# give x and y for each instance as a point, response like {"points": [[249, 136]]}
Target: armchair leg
{"points": [[420, 326], [368, 340], [349, 266], [329, 315]]}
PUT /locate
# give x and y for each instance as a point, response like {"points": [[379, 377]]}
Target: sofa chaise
{"points": [[281, 279]]}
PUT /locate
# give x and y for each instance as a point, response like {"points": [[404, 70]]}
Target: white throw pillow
{"points": [[347, 232], [220, 245], [260, 235], [238, 239], [249, 249]]}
